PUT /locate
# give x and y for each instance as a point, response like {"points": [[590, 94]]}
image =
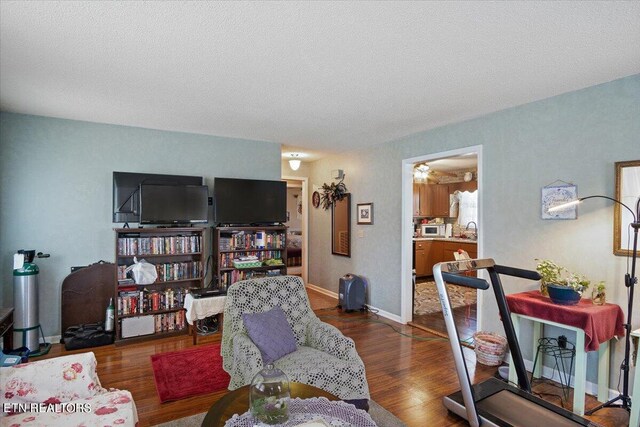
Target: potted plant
{"points": [[550, 272], [599, 295], [562, 286]]}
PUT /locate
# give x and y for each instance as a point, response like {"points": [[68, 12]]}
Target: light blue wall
{"points": [[56, 185], [575, 137]]}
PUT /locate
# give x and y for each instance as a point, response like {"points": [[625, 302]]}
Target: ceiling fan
{"points": [[422, 172]]}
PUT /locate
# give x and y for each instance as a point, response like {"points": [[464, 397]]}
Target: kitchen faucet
{"points": [[475, 227]]}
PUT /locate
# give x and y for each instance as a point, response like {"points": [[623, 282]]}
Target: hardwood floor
{"points": [[407, 376], [465, 318]]}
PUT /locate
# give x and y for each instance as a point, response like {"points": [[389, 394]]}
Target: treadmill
{"points": [[495, 402]]}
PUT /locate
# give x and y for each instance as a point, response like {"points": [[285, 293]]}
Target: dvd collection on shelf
{"points": [[242, 240], [168, 322], [164, 245], [229, 277], [134, 301], [170, 271]]}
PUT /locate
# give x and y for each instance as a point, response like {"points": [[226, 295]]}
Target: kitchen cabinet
{"points": [[416, 199], [449, 248], [420, 258], [463, 186], [427, 254], [434, 200]]}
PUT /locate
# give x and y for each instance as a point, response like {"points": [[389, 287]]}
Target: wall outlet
{"points": [[360, 233]]}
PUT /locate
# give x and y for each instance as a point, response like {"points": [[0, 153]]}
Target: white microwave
{"points": [[432, 230]]}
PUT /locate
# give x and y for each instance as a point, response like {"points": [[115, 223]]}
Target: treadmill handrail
{"points": [[517, 272], [471, 282], [448, 269]]}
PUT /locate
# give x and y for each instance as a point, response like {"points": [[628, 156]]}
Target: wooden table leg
{"points": [[194, 332], [220, 320]]}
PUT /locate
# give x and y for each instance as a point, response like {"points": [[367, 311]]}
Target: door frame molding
{"points": [[406, 256], [305, 222]]}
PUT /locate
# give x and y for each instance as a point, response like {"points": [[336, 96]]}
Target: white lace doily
{"points": [[334, 413]]}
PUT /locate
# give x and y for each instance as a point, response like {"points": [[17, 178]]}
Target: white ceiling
{"points": [[319, 76]]}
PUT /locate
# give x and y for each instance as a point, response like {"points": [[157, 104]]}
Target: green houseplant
{"points": [[555, 275], [550, 272]]}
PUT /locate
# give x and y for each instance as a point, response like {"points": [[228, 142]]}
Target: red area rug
{"points": [[187, 373]]}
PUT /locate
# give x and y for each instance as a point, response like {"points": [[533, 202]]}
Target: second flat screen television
{"points": [[249, 201]]}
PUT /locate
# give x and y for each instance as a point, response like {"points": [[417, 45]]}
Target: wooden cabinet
{"points": [[420, 257], [231, 244], [434, 200], [449, 248], [416, 199], [463, 186], [434, 256], [427, 254], [156, 310]]}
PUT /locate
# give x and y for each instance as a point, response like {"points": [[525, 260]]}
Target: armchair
{"points": [[324, 357]]}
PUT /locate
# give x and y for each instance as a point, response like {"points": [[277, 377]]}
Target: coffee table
{"points": [[237, 402]]}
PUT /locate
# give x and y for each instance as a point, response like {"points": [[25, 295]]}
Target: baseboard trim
{"points": [[375, 310], [552, 374], [322, 291], [386, 314]]}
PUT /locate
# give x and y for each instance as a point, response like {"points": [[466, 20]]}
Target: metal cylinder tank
{"points": [[26, 323]]}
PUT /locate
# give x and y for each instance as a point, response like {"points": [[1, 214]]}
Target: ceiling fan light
{"points": [[294, 164]]}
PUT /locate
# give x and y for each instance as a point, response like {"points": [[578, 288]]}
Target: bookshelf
{"points": [[144, 312], [231, 244]]}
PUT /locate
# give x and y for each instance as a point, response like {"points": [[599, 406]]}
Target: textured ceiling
{"points": [[322, 76]]}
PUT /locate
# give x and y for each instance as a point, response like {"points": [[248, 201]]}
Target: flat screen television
{"points": [[126, 191], [173, 204], [249, 201]]}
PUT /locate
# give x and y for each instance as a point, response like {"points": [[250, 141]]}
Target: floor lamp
{"points": [[630, 282]]}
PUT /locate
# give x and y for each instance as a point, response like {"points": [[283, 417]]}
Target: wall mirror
{"points": [[627, 191], [341, 226]]}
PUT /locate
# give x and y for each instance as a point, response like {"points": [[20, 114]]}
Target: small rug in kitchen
{"points": [[174, 372], [426, 299]]}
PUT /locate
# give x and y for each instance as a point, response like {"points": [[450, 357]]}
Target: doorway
{"points": [[297, 221], [441, 195]]}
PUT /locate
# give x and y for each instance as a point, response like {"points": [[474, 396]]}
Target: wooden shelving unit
{"points": [[231, 243], [179, 257]]}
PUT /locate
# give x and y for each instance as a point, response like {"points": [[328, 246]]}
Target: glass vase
{"points": [[269, 396], [599, 297]]}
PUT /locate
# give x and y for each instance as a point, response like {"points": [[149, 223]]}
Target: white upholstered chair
{"points": [[324, 357]]}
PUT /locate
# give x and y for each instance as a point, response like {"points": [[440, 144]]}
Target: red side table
{"points": [[594, 326]]}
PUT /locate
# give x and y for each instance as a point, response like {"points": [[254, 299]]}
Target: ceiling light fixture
{"points": [[420, 172], [294, 161]]}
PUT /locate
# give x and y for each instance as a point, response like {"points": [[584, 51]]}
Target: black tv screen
{"points": [[126, 189], [173, 204], [249, 201]]}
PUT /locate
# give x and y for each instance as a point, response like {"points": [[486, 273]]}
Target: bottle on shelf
{"points": [[109, 317]]}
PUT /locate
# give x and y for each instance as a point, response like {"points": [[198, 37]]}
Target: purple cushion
{"points": [[271, 333]]}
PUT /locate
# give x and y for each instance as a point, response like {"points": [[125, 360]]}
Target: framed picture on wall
{"points": [[554, 195], [365, 213]]}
